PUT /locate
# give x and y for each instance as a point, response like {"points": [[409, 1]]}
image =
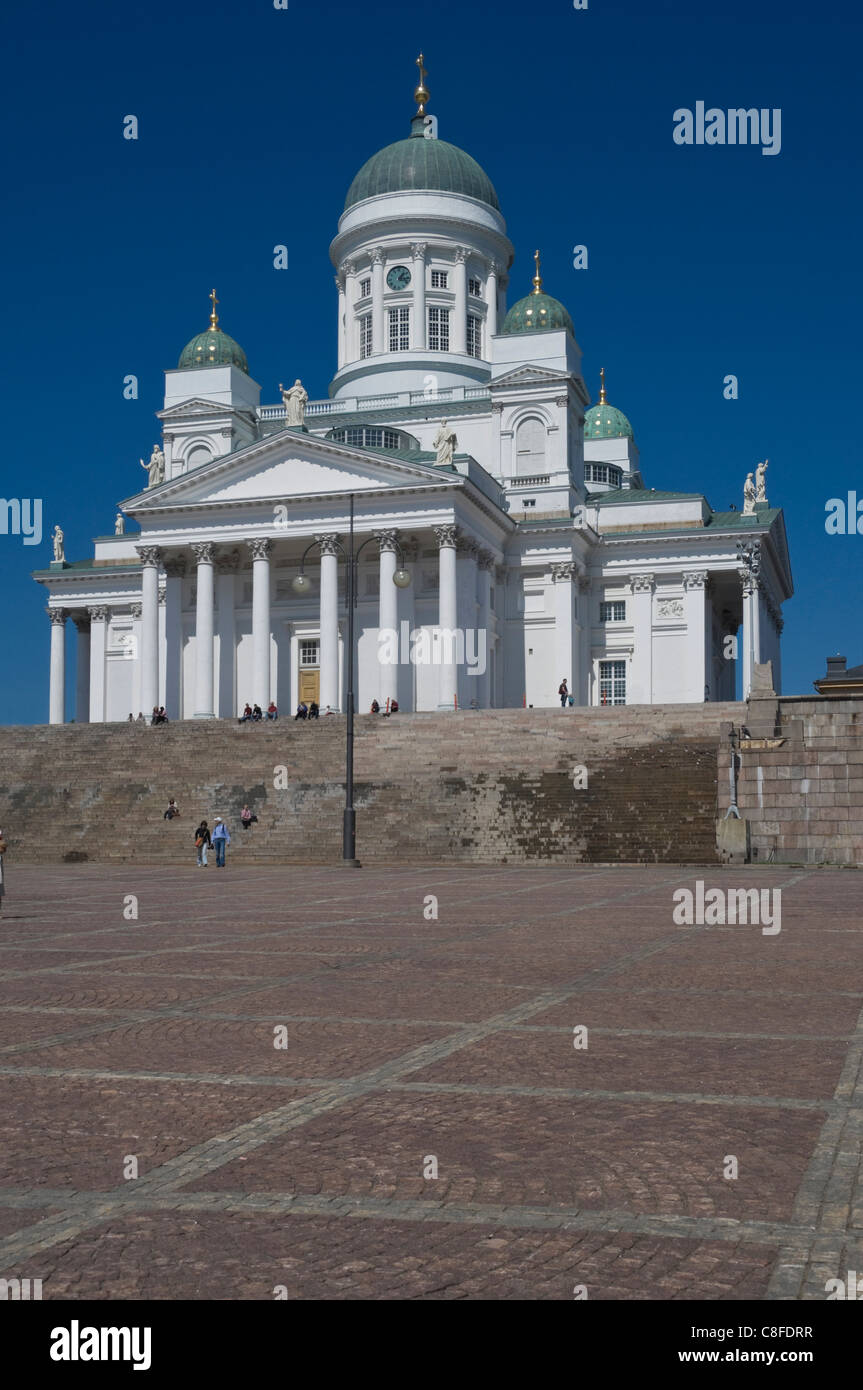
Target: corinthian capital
{"points": [[386, 539], [260, 547], [329, 543], [203, 552], [695, 579], [57, 616], [418, 250], [641, 583], [150, 554], [562, 573], [446, 536]]}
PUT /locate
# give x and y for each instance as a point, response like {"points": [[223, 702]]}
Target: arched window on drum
{"points": [[530, 449]]}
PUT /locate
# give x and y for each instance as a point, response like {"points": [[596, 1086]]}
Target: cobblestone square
{"points": [[436, 1083]]}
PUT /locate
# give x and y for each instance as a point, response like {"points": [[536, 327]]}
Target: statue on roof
{"points": [[444, 442], [761, 483], [155, 468], [119, 524], [749, 496], [295, 403], [59, 548]]}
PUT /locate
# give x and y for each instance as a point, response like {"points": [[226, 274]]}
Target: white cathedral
{"points": [[505, 538]]}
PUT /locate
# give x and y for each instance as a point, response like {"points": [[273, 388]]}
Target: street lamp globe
{"points": [[301, 585], [401, 579]]}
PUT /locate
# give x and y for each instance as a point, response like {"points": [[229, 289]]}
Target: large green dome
{"points": [[420, 164], [213, 347], [537, 313], [604, 421]]}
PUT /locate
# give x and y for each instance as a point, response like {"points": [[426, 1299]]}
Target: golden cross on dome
{"points": [[602, 396], [214, 317], [537, 279], [421, 95]]}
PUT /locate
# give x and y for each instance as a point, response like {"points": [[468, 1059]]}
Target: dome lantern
{"points": [[604, 421], [538, 312]]}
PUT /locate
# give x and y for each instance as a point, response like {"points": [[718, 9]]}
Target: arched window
{"points": [[530, 448], [198, 456]]}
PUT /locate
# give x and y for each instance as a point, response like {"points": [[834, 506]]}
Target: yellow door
{"points": [[310, 686]]}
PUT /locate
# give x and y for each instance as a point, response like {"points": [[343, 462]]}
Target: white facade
{"points": [[540, 554]]}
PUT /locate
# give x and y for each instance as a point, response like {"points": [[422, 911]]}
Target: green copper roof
{"points": [[213, 348], [606, 422], [420, 164], [537, 313]]}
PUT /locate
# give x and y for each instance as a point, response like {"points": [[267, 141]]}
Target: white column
{"points": [[57, 679], [491, 305], [447, 612], [458, 328], [204, 613], [163, 629], [377, 305], [98, 624], [135, 610], [150, 556], [582, 695], [483, 647], [640, 684], [388, 614], [340, 286], [174, 570], [329, 622], [695, 676], [565, 636], [260, 548], [418, 275], [351, 346], [82, 677], [226, 569]]}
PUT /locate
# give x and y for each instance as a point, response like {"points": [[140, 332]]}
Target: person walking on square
{"points": [[220, 840], [2, 870], [202, 841], [563, 692]]}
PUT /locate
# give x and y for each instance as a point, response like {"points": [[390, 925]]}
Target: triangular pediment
{"points": [[527, 376], [193, 407], [291, 464]]}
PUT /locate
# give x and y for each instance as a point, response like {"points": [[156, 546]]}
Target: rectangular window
{"points": [[438, 336], [439, 278], [400, 320], [612, 682], [366, 335], [309, 653], [474, 287], [474, 336], [614, 612], [365, 288]]}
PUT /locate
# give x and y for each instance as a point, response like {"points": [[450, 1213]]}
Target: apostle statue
{"points": [[761, 483], [119, 525], [155, 468], [749, 496], [294, 403], [444, 442], [57, 539]]}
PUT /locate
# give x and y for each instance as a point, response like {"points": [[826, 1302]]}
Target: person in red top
{"points": [[272, 711]]}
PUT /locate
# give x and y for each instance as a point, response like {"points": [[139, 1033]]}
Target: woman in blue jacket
{"points": [[220, 840]]}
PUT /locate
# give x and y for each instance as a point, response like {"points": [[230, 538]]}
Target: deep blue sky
{"points": [[703, 261]]}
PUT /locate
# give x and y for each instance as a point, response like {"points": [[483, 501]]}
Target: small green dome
{"points": [[537, 313], [420, 164], [604, 421], [213, 347]]}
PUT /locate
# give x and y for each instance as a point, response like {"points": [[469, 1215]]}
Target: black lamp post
{"points": [[301, 585]]}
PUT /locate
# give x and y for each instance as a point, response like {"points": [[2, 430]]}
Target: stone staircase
{"points": [[494, 786]]}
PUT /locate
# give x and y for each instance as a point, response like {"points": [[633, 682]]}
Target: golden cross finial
{"points": [[602, 396], [421, 95], [214, 317], [537, 279]]}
